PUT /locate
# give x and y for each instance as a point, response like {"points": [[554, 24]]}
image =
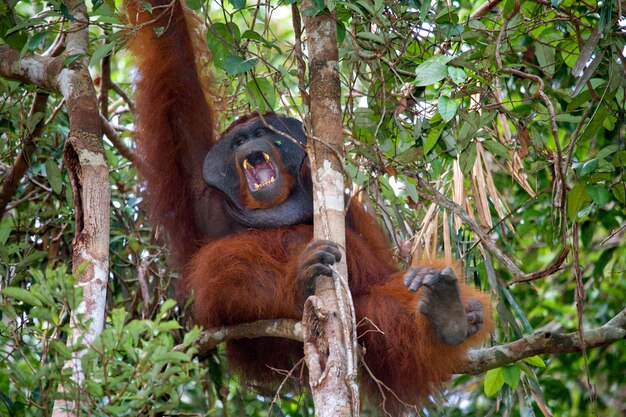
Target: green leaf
{"points": [[22, 295], [5, 232], [167, 306], [35, 41], [545, 57], [238, 4], [53, 173], [167, 326], [432, 70], [374, 37], [364, 118], [575, 199], [619, 191], [535, 361], [494, 381], [29, 259], [467, 157], [196, 4], [447, 108], [221, 39], [60, 348], [585, 211], [310, 11], [261, 93], [66, 12], [457, 75], [606, 151], [71, 58], [433, 136], [411, 190], [33, 121], [341, 32], [158, 31], [146, 5], [320, 4], [424, 10], [569, 51], [237, 65], [171, 356], [496, 148], [512, 375], [118, 318], [586, 167], [252, 35]]}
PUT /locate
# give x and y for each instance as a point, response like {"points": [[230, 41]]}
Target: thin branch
{"points": [[210, 338], [488, 6], [555, 266], [120, 92], [105, 86], [110, 133], [297, 29]]}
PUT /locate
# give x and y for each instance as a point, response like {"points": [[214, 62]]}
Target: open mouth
{"points": [[260, 170]]}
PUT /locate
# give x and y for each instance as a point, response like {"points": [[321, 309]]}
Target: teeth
{"points": [[246, 164], [267, 157], [259, 186]]}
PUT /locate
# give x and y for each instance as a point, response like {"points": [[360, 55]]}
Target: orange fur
{"points": [[241, 275], [405, 355]]}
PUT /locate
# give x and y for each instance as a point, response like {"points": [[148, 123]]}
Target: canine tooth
{"points": [[267, 157]]}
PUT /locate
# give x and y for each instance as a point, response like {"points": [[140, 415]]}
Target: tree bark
{"points": [[479, 360], [329, 325], [85, 160]]}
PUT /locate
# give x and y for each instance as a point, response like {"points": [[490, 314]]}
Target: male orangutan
{"points": [[238, 215]]}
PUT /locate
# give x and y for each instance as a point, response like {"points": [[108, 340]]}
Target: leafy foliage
{"points": [[516, 115]]}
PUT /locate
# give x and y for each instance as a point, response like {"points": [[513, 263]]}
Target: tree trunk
{"points": [[331, 353]]}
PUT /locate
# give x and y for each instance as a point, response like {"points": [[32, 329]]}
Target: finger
{"points": [[415, 284], [409, 276], [316, 270]]}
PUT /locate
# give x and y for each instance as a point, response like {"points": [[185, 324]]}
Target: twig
{"points": [[110, 133], [125, 97], [488, 6], [297, 29]]}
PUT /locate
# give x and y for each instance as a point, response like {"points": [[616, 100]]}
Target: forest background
{"points": [[490, 132]]}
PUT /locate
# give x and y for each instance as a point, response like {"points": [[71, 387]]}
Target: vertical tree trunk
{"points": [[85, 160], [331, 356]]}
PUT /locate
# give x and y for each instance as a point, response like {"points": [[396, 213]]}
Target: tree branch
{"points": [[479, 360], [41, 71], [482, 360], [210, 338]]}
